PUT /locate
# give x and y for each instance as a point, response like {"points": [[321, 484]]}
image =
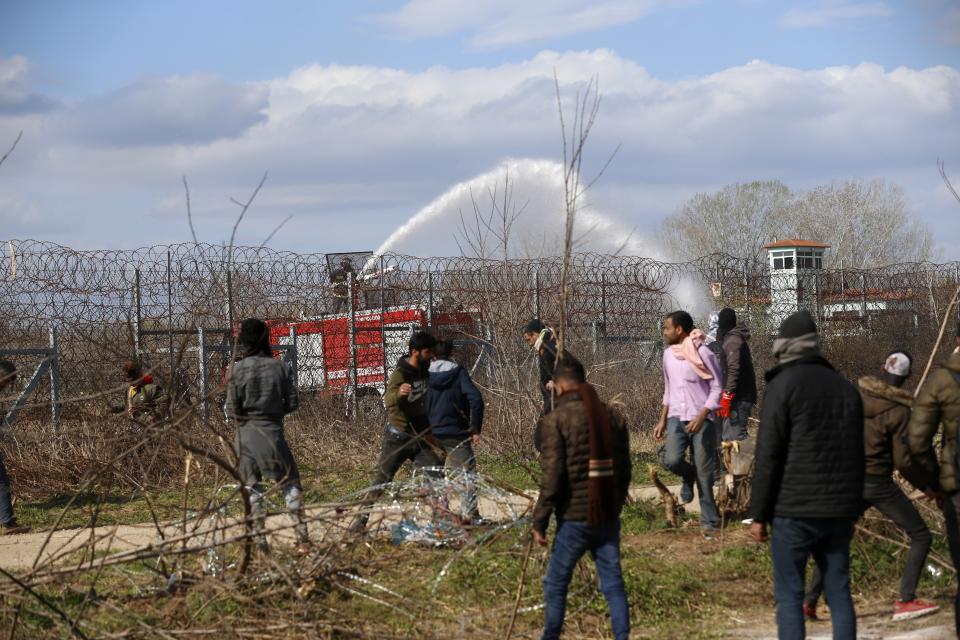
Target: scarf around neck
{"points": [[789, 349], [689, 350], [601, 483]]}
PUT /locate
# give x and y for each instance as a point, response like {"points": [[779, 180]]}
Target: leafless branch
{"points": [[12, 147], [276, 229], [193, 232]]}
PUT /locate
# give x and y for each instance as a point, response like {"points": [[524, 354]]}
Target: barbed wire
{"points": [[110, 305]]}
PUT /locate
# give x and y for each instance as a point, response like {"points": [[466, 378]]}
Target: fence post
{"points": [[170, 317], [294, 356], [230, 298], [603, 298], [536, 293], [55, 379], [863, 299], [137, 323], [746, 291], [383, 318], [204, 380], [429, 300], [353, 343]]}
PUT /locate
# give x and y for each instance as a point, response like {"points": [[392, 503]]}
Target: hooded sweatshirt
{"points": [[408, 414], [737, 364], [455, 404]]}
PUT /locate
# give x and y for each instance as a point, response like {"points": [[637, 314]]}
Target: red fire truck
{"points": [[336, 359]]}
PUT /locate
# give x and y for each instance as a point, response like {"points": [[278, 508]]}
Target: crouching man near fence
{"points": [[456, 418], [145, 398], [8, 523], [586, 475], [408, 434], [260, 392]]}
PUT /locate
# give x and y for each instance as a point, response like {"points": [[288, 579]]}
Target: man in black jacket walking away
{"points": [[456, 416], [808, 478], [740, 382]]}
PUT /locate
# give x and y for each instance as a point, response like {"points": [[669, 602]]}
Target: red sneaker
{"points": [[913, 609], [810, 611]]}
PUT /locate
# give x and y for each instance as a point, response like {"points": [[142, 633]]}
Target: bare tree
{"points": [[574, 138], [866, 222], [737, 220]]}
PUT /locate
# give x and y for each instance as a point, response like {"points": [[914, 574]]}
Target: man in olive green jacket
{"points": [[408, 426], [939, 403]]}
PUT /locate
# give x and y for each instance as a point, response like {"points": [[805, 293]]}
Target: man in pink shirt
{"points": [[693, 384]]}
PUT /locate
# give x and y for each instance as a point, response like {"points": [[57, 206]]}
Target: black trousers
{"points": [[884, 494], [951, 514]]}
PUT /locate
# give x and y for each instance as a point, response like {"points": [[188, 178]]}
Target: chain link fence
{"points": [[150, 303]]}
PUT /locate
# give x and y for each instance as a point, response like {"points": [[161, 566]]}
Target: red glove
{"points": [[725, 401]]}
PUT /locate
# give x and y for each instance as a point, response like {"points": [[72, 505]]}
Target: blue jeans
{"points": [[792, 542], [735, 427], [573, 539], [702, 470]]}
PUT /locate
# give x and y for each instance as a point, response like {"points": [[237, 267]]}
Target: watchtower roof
{"points": [[784, 244]]}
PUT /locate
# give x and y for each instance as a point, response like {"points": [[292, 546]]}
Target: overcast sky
{"points": [[365, 113]]}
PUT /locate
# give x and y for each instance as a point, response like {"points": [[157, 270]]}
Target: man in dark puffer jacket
{"points": [[808, 478]]}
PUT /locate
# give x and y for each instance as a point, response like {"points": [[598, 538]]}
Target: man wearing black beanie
{"points": [[740, 381], [808, 476]]}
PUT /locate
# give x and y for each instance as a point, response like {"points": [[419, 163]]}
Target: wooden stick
{"points": [[669, 502], [523, 575], [936, 347]]}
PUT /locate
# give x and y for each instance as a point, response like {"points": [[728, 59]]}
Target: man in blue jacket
{"points": [[456, 415]]}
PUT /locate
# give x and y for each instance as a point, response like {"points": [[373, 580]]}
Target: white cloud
{"points": [[16, 98], [188, 109], [829, 13], [354, 151], [501, 23]]}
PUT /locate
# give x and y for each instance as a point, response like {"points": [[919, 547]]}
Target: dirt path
{"points": [[19, 552], [873, 623]]}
